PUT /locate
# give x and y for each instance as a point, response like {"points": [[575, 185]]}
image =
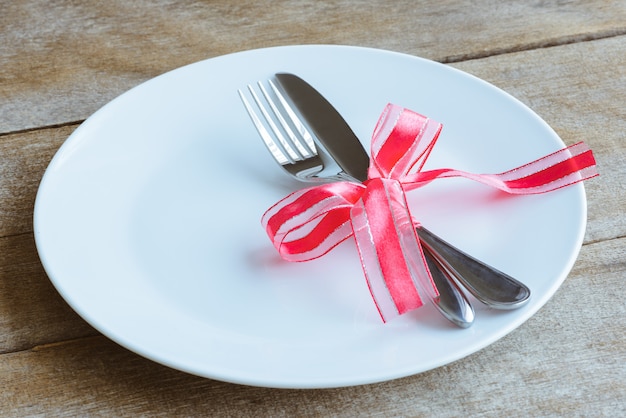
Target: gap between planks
{"points": [[41, 128], [547, 43]]}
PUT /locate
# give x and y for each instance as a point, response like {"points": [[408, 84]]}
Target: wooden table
{"points": [[62, 60]]}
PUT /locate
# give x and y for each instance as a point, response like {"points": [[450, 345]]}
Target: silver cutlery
{"points": [[294, 149], [489, 285]]}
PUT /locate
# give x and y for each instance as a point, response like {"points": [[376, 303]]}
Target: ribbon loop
{"points": [[310, 222]]}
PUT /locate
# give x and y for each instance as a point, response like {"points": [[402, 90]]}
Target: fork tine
{"points": [[287, 146], [279, 155], [295, 120], [301, 146]]}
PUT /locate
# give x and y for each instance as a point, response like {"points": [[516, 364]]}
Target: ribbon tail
{"points": [[391, 256], [562, 168]]}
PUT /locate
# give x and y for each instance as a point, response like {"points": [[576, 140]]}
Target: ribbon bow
{"points": [[310, 222]]}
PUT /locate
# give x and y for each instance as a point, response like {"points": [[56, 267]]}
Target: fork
{"points": [[293, 148]]}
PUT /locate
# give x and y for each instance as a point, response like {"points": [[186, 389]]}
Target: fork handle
{"points": [[487, 284]]}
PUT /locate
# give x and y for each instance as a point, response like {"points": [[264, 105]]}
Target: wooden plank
{"points": [[23, 160], [31, 310], [60, 62], [566, 360], [579, 90]]}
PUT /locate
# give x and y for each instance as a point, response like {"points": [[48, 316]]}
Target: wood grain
{"points": [[63, 60], [578, 91], [31, 310], [531, 369], [25, 157]]}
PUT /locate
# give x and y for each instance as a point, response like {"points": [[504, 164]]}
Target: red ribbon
{"points": [[308, 223]]}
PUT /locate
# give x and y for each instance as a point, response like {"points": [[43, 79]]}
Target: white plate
{"points": [[148, 222]]}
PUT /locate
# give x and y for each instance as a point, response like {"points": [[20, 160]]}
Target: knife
{"points": [[487, 284]]}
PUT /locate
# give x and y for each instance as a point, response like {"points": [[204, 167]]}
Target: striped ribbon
{"points": [[310, 222]]}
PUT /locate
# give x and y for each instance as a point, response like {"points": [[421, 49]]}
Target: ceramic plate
{"points": [[147, 221]]}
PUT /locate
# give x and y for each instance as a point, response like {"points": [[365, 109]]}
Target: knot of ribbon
{"points": [[310, 222]]}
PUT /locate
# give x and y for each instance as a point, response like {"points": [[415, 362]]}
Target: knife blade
{"points": [[328, 125]]}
